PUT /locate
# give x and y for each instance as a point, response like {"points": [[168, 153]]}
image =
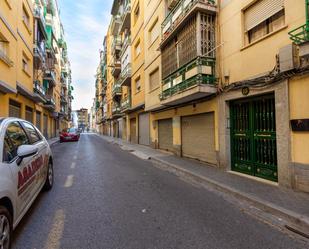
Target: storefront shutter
{"points": [[260, 11]]}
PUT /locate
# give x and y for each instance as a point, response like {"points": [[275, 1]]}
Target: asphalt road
{"points": [[104, 197]]}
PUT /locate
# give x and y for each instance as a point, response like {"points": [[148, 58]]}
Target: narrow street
{"points": [[104, 197]]}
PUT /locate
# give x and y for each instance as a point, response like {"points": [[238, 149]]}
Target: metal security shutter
{"points": [[143, 129], [29, 114], [38, 120], [120, 127], [55, 128], [198, 139], [260, 11], [14, 109], [124, 129], [45, 128], [133, 130], [166, 134]]}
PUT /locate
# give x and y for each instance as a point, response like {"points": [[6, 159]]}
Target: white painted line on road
{"points": [[73, 165], [56, 233], [75, 157], [69, 181]]}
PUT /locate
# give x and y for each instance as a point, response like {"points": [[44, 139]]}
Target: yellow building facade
{"points": [[24, 75], [223, 82]]}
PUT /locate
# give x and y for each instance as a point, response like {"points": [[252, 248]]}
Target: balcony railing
{"points": [[116, 110], [116, 44], [200, 71], [115, 24], [116, 66], [50, 76], [126, 43], [126, 16], [37, 88], [300, 34], [50, 101], [178, 13], [126, 103], [39, 50], [125, 75], [39, 14], [116, 90]]}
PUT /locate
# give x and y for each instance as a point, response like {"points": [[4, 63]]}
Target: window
{"points": [[154, 32], [4, 46], [33, 135], [26, 18], [137, 48], [137, 85], [154, 79], [15, 137], [262, 18], [25, 64], [136, 13]]}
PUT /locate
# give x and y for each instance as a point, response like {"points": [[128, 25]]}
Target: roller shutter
{"points": [[29, 114], [120, 128], [133, 130], [260, 11], [38, 120], [198, 139], [14, 109], [143, 129], [166, 134], [45, 128]]}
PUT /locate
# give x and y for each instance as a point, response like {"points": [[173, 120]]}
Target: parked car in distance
{"points": [[70, 134], [26, 167]]}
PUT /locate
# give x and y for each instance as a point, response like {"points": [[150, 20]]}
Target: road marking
{"points": [[73, 165], [56, 233], [69, 181], [75, 157]]}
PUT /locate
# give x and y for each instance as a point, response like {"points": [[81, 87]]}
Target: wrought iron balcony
{"points": [[116, 66], [125, 75], [126, 45], [172, 3], [126, 104], [50, 103], [181, 12], [300, 34], [39, 51], [116, 89], [38, 14], [116, 45], [115, 24], [116, 110], [192, 81], [37, 88], [50, 76], [126, 16]]}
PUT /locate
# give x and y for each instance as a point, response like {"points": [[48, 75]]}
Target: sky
{"points": [[85, 24]]}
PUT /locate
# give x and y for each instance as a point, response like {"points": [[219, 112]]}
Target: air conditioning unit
{"points": [[288, 57]]}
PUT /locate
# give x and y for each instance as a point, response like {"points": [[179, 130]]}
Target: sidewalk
{"points": [[280, 202], [52, 141]]}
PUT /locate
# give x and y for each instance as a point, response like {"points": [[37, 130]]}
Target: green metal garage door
{"points": [[253, 137]]}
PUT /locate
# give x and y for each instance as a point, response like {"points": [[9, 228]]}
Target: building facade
{"points": [[33, 59], [223, 82], [83, 119]]}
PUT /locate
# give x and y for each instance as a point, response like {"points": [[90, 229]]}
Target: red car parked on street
{"points": [[71, 134]]}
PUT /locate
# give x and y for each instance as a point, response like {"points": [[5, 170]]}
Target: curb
{"points": [[297, 221]]}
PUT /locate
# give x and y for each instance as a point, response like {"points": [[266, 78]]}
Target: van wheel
{"points": [[49, 178], [5, 228]]}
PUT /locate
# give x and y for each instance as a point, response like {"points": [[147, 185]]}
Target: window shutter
{"points": [[260, 11]]}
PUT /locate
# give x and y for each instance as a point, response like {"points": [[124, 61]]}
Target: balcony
{"points": [[116, 66], [172, 4], [116, 45], [50, 103], [116, 110], [115, 24], [38, 14], [116, 90], [300, 35], [126, 104], [190, 82], [39, 51], [50, 76], [125, 76], [126, 16], [183, 10], [37, 88], [125, 45]]}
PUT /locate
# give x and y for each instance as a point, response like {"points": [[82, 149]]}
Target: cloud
{"points": [[85, 25]]}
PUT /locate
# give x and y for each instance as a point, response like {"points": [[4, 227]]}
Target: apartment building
{"points": [[223, 82], [30, 86], [83, 118]]}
